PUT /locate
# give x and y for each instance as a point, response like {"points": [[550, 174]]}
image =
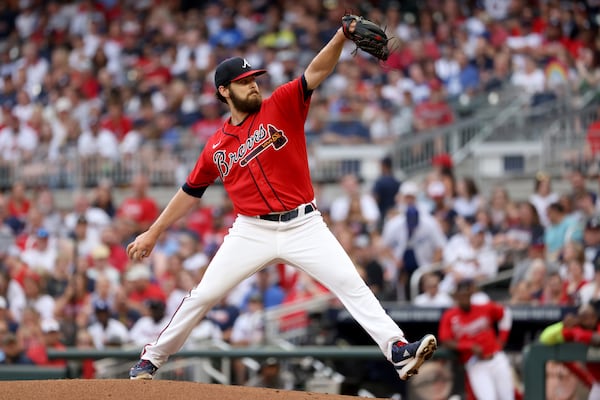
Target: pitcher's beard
{"points": [[250, 105]]}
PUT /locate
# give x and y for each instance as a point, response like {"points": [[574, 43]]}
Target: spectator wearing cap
{"points": [[441, 207], [52, 337], [148, 328], [107, 331], [413, 237], [270, 375], [100, 266], [140, 289], [85, 239], [41, 256], [443, 168]]}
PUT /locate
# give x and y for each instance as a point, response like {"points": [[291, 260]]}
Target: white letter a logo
{"points": [[246, 64]]}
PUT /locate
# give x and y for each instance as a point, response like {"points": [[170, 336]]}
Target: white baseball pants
{"points": [[251, 244], [491, 379], [594, 392]]}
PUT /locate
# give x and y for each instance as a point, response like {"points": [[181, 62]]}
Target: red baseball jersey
{"points": [[476, 326], [142, 211], [263, 161]]}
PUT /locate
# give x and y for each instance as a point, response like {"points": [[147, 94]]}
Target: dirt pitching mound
{"points": [[124, 389]]}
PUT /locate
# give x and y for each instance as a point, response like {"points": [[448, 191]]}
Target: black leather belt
{"points": [[287, 215]]}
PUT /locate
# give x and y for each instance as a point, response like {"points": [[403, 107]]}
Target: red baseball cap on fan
{"points": [[233, 69]]}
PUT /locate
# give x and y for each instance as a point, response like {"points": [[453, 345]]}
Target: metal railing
{"points": [[565, 140], [414, 153], [289, 322]]}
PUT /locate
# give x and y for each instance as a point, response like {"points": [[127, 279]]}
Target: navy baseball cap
{"points": [[233, 69]]}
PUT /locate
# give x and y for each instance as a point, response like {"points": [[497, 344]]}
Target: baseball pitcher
{"points": [[260, 155]]}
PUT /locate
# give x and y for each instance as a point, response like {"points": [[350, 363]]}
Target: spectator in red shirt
{"points": [[38, 352], [140, 289], [118, 256], [211, 120], [116, 121], [140, 207], [18, 203], [434, 111], [593, 138]]}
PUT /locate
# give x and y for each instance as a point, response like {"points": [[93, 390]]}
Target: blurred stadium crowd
{"points": [[131, 83]]}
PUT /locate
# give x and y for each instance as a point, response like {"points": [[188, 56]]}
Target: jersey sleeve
{"points": [[202, 175], [578, 335], [503, 316], [293, 100]]}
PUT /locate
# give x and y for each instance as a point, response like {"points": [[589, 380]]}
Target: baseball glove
{"points": [[367, 36]]}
